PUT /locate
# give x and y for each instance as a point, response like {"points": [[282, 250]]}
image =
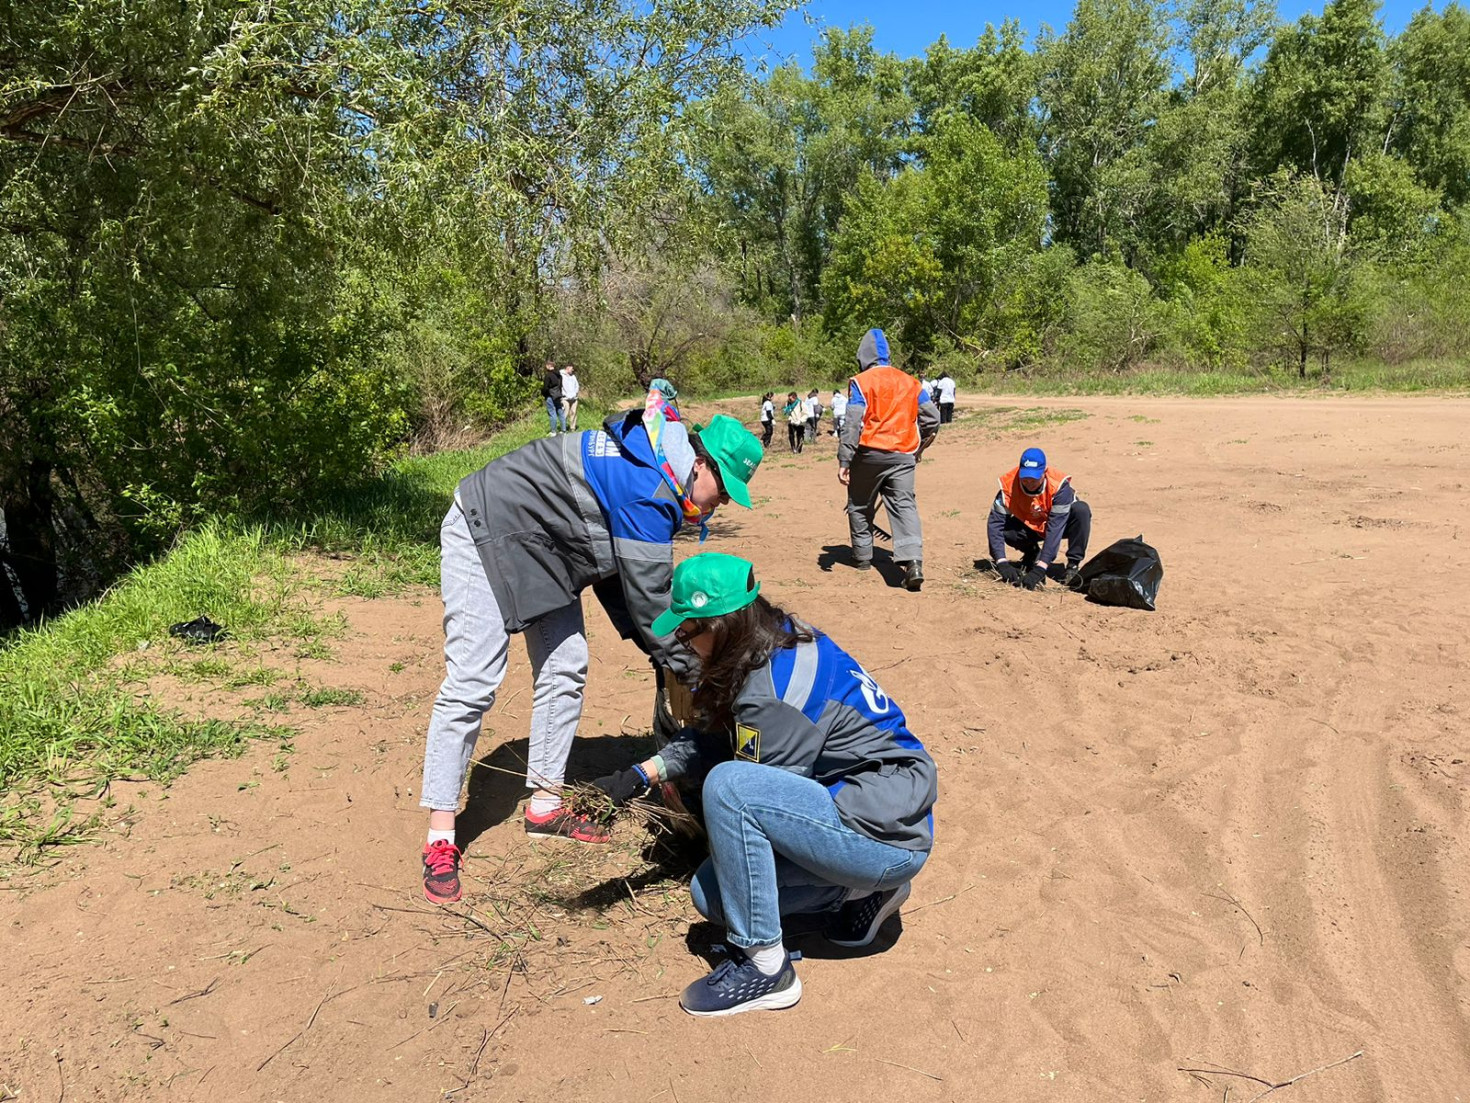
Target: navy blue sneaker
{"points": [[857, 922], [737, 985]]}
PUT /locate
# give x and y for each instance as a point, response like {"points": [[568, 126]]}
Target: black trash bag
{"points": [[1125, 573], [198, 630]]}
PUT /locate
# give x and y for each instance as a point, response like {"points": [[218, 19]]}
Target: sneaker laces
{"points": [[441, 857]]}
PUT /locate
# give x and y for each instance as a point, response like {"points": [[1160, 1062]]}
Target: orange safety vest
{"points": [[891, 422], [1031, 509]]}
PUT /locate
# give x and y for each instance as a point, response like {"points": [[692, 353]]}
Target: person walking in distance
{"points": [[890, 421], [524, 536], [839, 411], [571, 387], [768, 418], [946, 391], [813, 414], [821, 802], [551, 393], [1034, 511], [795, 411]]}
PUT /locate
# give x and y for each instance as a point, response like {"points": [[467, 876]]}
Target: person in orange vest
{"points": [[890, 421], [1035, 510]]}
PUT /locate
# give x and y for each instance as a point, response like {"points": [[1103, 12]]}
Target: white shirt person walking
{"points": [[571, 387]]}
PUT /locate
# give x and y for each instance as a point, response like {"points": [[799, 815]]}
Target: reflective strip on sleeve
{"points": [[803, 676]]}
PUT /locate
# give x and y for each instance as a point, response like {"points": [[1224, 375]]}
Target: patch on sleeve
{"points": [[747, 743]]}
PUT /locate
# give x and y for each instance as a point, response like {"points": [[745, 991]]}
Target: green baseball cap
{"points": [[738, 453], [708, 585]]}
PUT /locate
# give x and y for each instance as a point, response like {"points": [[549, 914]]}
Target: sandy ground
{"points": [[1230, 834]]}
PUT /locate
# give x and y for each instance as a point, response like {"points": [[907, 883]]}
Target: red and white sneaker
{"points": [[441, 872], [562, 824]]}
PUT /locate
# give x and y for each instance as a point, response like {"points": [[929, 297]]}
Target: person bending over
{"points": [[526, 534], [1034, 511], [824, 802]]}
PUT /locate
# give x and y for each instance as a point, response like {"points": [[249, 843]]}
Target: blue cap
{"points": [[1033, 464]]}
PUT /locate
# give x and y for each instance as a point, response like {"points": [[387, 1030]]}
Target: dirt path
{"points": [[1230, 833]]}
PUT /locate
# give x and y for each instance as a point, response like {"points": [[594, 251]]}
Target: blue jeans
{"points": [[777, 847], [556, 414]]}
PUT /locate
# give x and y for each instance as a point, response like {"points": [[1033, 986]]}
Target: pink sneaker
{"points": [[441, 872]]}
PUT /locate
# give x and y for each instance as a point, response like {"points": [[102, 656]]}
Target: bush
{"points": [[1113, 320]]}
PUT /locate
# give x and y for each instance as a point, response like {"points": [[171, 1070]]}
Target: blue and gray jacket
{"points": [[813, 710], [584, 509]]}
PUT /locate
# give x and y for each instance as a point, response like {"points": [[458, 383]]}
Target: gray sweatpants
{"points": [[890, 476], [476, 649]]}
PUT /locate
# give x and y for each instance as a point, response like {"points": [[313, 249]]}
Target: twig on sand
{"points": [[941, 900], [1325, 724], [958, 1031], [900, 1065], [61, 1090], [484, 1041], [206, 990], [1269, 1085], [316, 1011], [1235, 903], [645, 999]]}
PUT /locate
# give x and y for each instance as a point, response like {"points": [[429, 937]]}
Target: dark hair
{"points": [[743, 641]]}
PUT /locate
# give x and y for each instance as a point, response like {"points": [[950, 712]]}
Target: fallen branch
{"points": [[1270, 1085]]}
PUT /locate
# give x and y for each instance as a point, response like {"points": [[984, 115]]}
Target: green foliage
{"points": [[1301, 270], [1114, 321], [1321, 93], [1211, 314], [925, 254]]}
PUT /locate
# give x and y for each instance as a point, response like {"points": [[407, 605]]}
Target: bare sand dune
{"points": [[1228, 834]]}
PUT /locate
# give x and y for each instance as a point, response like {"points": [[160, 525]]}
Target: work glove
{"points": [[623, 786], [1034, 579], [1008, 572]]}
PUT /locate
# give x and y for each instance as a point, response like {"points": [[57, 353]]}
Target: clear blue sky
{"points": [[907, 27]]}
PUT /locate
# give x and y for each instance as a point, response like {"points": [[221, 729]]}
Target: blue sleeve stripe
{"points": [[855, 395]]}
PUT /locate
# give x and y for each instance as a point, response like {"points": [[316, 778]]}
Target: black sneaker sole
{"points": [[884, 912]]}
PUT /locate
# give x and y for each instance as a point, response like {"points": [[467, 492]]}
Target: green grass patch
{"points": [[71, 719], [1343, 375]]}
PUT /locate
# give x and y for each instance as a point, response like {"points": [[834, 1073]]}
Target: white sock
{"points": [[441, 836], [768, 959], [543, 806]]}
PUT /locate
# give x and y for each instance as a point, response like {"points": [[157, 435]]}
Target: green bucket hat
{"points": [[738, 453], [708, 585]]}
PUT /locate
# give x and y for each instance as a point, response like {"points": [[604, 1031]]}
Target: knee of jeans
{"points": [[466, 695], [722, 788], [704, 893]]}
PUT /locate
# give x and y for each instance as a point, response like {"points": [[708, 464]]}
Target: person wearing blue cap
{"points": [[821, 802], [1035, 510]]}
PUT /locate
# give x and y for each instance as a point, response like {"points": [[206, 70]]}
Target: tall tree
{"points": [[1102, 85], [779, 162], [1430, 121], [992, 82], [1322, 92]]}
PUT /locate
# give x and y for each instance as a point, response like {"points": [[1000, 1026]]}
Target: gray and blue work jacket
{"points": [[584, 509], [813, 710]]}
